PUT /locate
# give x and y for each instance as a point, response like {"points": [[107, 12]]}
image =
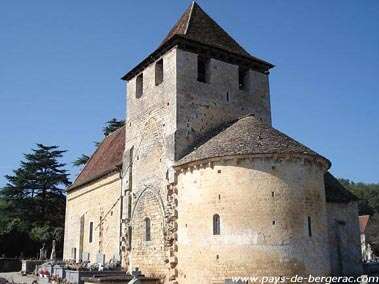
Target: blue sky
{"points": [[61, 63]]}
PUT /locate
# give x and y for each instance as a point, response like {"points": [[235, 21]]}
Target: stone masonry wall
{"points": [[162, 124], [98, 199], [264, 207], [204, 106], [150, 129], [344, 238]]}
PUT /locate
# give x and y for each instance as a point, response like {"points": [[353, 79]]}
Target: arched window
{"points": [[147, 230], [216, 224]]}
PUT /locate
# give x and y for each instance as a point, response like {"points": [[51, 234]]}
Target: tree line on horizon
{"points": [[33, 201], [368, 204]]}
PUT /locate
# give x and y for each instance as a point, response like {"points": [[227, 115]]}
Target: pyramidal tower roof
{"points": [[195, 29], [196, 25]]}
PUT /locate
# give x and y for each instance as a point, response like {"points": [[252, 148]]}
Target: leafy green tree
{"points": [[372, 233], [110, 126], [32, 203], [368, 193]]}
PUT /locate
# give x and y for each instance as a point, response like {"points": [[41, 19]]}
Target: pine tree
{"points": [[110, 126], [33, 200], [82, 160]]}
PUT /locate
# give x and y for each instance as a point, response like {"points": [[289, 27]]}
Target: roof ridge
{"points": [[94, 154], [189, 17]]}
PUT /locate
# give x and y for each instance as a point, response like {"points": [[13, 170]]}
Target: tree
{"points": [[82, 160], [110, 126], [372, 233], [368, 193], [32, 203]]}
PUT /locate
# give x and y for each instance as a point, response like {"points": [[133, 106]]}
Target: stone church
{"points": [[198, 187]]}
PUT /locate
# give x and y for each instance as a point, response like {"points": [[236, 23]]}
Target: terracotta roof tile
{"points": [[363, 221], [106, 159]]}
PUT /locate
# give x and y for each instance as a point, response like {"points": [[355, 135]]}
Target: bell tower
{"points": [[198, 79]]}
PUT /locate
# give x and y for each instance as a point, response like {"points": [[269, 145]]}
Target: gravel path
{"points": [[16, 277]]}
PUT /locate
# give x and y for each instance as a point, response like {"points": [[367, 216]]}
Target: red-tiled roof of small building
{"points": [[363, 221], [106, 159]]}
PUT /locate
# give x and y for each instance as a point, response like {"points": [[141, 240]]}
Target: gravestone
{"points": [[100, 258], [86, 256]]}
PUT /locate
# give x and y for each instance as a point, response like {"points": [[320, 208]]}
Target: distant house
{"points": [[367, 254]]}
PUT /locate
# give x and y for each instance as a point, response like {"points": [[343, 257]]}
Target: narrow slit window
{"points": [[90, 232], [159, 72], [147, 230], [216, 224], [73, 253], [139, 85], [242, 77], [202, 69], [309, 226]]}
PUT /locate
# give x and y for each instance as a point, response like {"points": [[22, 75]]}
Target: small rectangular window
{"points": [[309, 226], [242, 77], [159, 72], [90, 232], [139, 85], [203, 69], [73, 253], [216, 224]]}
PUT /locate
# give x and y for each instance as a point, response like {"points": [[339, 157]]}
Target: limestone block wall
{"points": [[100, 199], [156, 101], [148, 255], [264, 206], [344, 238], [204, 106], [151, 126], [162, 124]]}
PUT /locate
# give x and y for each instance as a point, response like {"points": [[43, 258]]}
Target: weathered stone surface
{"points": [[151, 125], [263, 205], [205, 106], [344, 238], [99, 203]]}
